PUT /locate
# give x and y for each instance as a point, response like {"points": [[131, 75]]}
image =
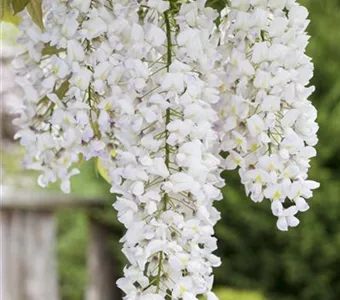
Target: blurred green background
{"points": [[302, 264]]}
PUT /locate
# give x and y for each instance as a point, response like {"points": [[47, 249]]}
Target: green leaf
{"points": [[62, 90], [217, 4], [103, 172], [34, 8], [19, 5], [50, 50]]}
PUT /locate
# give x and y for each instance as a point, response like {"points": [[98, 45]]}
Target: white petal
{"points": [[138, 188], [277, 208], [65, 186], [293, 221], [301, 204], [282, 224]]}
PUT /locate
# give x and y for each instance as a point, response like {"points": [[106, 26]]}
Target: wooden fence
{"points": [[28, 248]]}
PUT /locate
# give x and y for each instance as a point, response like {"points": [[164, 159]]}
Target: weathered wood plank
{"points": [[101, 265], [5, 221], [16, 199], [28, 255], [40, 260]]}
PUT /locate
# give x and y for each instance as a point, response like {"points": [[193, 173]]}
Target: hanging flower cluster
{"points": [[155, 90], [267, 125]]}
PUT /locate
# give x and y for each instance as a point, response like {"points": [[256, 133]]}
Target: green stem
{"points": [[270, 144], [159, 271], [168, 111], [167, 121]]}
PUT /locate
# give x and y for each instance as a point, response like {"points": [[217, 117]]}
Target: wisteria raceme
{"points": [[164, 172], [59, 118], [154, 90], [267, 124], [136, 78]]}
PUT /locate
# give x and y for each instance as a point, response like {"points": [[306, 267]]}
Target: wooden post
{"points": [[28, 242], [101, 265], [28, 268]]}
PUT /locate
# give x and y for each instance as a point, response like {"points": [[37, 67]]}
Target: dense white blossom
{"points": [[154, 90], [267, 123], [165, 173], [133, 79]]}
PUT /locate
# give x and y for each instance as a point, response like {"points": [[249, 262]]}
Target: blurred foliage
{"points": [[230, 294], [302, 264], [9, 33], [11, 19], [72, 240]]}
